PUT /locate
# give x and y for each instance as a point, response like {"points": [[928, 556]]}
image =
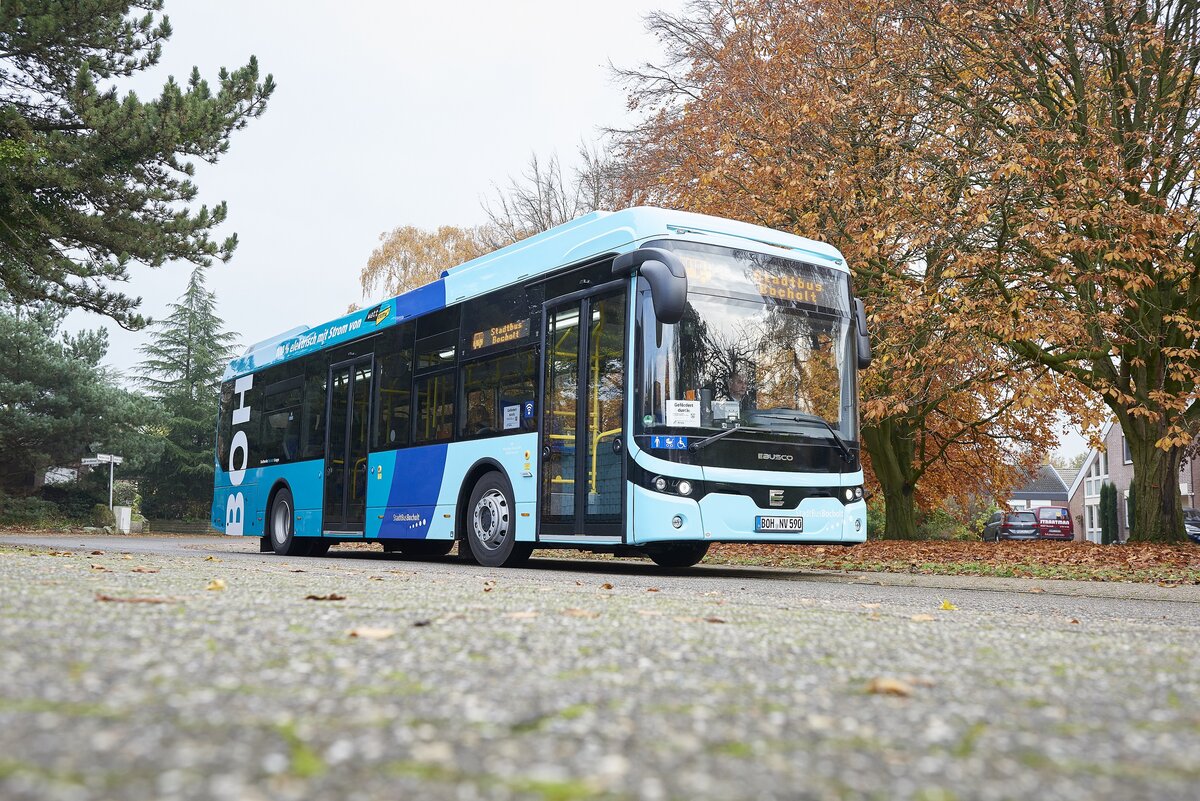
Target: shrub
{"points": [[125, 494], [941, 525], [102, 516], [27, 511], [74, 500], [876, 516]]}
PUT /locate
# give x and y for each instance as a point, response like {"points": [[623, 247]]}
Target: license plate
{"points": [[763, 523]]}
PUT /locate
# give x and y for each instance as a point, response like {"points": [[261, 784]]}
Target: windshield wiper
{"points": [[800, 417], [704, 443]]}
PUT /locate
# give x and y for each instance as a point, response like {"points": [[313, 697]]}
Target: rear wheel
{"points": [[491, 524], [281, 524], [677, 554]]}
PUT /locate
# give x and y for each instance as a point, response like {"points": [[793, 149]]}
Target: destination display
{"points": [[500, 334], [781, 280]]}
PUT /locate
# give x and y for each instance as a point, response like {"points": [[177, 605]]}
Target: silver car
{"points": [[1010, 526]]}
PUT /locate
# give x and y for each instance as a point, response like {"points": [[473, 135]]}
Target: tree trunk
{"points": [[1158, 512], [900, 514], [891, 449]]}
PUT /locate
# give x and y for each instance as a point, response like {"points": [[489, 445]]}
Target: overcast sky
{"points": [[386, 114]]}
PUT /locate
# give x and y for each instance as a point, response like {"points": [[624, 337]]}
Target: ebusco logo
{"points": [[776, 457], [239, 459]]}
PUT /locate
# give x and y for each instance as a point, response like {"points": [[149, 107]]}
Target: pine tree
{"points": [[1108, 514], [183, 367], [56, 399], [92, 179]]}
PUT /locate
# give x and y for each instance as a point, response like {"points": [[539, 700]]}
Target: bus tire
{"points": [[491, 524], [281, 528], [677, 554]]}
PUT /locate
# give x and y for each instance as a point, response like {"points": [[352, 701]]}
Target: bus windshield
{"points": [[765, 343]]}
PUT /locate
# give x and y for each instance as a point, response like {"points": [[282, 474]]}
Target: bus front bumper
{"points": [[720, 517]]}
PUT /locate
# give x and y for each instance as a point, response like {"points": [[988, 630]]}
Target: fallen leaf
{"points": [[922, 618], [216, 585], [298, 570], [60, 553], [370, 633], [580, 613], [947, 606], [333, 596], [1073, 620], [713, 620], [100, 568], [526, 615], [888, 686], [579, 584], [134, 600], [97, 553], [870, 606], [211, 559], [126, 556], [144, 569], [652, 589], [1036, 589], [606, 586], [375, 578], [419, 623]]}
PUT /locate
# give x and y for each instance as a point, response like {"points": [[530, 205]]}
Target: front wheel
{"points": [[491, 525], [677, 554], [282, 526]]}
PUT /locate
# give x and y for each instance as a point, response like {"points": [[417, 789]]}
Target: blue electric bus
{"points": [[644, 380]]}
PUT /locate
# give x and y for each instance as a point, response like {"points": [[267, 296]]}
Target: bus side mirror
{"points": [[666, 276], [864, 339]]}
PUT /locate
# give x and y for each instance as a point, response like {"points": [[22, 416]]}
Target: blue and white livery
{"points": [[646, 380]]}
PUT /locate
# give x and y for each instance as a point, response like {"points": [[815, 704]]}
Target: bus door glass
{"points": [[346, 455], [583, 467]]}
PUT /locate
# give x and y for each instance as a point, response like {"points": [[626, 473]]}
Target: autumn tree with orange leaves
{"points": [[786, 114], [1076, 133]]}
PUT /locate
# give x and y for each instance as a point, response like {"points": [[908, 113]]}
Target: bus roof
{"points": [[588, 236]]}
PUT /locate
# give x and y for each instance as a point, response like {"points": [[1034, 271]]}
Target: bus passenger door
{"points": [[349, 410], [583, 467]]}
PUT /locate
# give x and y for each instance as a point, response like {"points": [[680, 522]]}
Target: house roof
{"points": [[1045, 484], [1067, 474]]}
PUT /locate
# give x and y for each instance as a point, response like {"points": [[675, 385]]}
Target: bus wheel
{"points": [[281, 525], [491, 525], [677, 554]]}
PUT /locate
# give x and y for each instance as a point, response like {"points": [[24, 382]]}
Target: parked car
{"points": [[1010, 526], [1054, 523], [1191, 524]]}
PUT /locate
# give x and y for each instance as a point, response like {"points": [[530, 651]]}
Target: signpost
{"points": [[112, 462]]}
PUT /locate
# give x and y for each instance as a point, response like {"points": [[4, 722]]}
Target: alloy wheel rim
{"points": [[280, 519], [491, 520]]}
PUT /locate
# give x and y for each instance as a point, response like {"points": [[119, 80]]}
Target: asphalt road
{"points": [[127, 677]]}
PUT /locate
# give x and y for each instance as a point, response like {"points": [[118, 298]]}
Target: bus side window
{"points": [[316, 376], [435, 408], [496, 392], [393, 387], [224, 425]]}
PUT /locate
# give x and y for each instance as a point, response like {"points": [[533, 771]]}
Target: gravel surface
{"points": [[209, 673]]}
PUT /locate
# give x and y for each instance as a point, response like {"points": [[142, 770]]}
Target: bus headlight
{"points": [[660, 483], [685, 487], [848, 493]]}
